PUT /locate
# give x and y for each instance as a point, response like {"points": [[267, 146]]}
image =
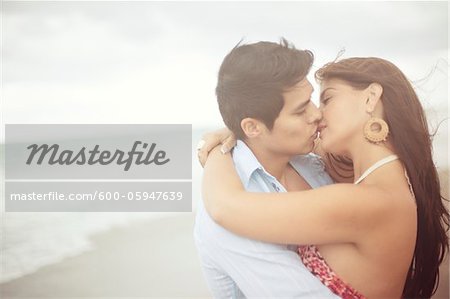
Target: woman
{"points": [[384, 236]]}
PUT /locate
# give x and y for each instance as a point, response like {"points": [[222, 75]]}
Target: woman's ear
{"points": [[375, 92], [251, 127]]}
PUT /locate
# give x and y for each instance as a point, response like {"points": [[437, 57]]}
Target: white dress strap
{"points": [[376, 166], [410, 185]]}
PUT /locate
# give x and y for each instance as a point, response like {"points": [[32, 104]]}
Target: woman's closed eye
{"points": [[325, 100]]}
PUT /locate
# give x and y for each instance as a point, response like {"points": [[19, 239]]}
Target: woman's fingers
{"points": [[228, 144], [210, 140], [202, 154], [206, 144]]}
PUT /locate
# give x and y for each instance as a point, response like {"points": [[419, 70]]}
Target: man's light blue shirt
{"points": [[238, 267]]}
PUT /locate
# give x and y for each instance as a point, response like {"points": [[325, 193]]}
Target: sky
{"points": [[157, 62]]}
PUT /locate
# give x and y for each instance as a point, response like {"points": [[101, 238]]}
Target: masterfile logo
{"points": [[73, 168], [98, 151], [91, 157]]}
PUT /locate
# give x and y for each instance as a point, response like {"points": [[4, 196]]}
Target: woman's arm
{"points": [[337, 213]]}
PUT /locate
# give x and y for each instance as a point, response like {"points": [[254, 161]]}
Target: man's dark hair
{"points": [[253, 78]]}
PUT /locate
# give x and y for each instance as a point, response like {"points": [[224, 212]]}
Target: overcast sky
{"points": [[141, 62]]}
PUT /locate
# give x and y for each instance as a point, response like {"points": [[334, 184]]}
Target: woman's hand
{"points": [[212, 139]]}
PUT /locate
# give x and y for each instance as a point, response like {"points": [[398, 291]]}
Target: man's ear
{"points": [[252, 128], [375, 91]]}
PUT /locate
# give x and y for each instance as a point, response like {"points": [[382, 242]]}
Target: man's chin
{"points": [[311, 146], [305, 150]]}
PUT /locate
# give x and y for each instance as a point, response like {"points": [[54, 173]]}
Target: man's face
{"points": [[295, 128]]}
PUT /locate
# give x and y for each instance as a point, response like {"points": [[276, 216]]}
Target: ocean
{"points": [[30, 241]]}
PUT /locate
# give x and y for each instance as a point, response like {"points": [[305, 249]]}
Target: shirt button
{"points": [[275, 187]]}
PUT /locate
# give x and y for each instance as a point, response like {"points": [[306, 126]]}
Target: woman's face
{"points": [[344, 115]]}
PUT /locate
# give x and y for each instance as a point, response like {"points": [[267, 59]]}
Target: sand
{"points": [[151, 259]]}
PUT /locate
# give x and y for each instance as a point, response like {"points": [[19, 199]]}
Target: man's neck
{"points": [[274, 164]]}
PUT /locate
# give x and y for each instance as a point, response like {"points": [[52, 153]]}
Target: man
{"points": [[264, 99]]}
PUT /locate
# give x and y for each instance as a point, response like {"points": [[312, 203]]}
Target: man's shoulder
{"points": [[311, 160], [245, 162], [214, 237], [312, 168]]}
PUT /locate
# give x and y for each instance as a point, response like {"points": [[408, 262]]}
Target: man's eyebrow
{"points": [[302, 105], [323, 92]]}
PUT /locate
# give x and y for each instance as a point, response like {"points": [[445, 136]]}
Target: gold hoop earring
{"points": [[376, 130]]}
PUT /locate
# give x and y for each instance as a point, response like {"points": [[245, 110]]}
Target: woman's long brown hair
{"points": [[412, 142]]}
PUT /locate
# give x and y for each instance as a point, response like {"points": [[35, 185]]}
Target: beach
{"points": [[149, 258], [136, 64]]}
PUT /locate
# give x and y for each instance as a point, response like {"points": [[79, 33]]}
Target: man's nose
{"points": [[315, 114]]}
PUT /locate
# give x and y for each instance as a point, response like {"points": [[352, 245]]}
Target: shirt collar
{"points": [[245, 162]]}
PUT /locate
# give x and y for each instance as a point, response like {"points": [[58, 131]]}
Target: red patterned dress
{"points": [[315, 263]]}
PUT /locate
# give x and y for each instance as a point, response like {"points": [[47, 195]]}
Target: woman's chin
{"points": [[327, 146], [324, 144]]}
